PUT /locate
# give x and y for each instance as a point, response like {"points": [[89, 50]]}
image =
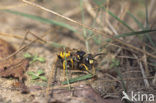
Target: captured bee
{"points": [[76, 59]]}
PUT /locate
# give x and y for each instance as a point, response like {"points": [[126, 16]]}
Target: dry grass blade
{"points": [[92, 29], [88, 43], [23, 47], [143, 73], [92, 12], [51, 78]]}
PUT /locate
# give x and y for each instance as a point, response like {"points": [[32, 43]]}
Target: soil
{"points": [[105, 87]]}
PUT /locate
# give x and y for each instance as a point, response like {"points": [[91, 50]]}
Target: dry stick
{"points": [[91, 11], [127, 57], [143, 73], [151, 47], [145, 62], [144, 76], [22, 48], [21, 37], [23, 41], [25, 38], [151, 6], [39, 38], [93, 14], [93, 29], [122, 14], [51, 77], [11, 35], [154, 80], [17, 51]]}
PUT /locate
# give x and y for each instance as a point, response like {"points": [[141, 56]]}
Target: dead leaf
{"points": [[21, 86], [5, 50], [15, 70], [11, 67]]}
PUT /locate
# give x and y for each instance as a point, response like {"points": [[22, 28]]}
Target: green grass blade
{"points": [[121, 79], [146, 11], [121, 21], [30, 73], [147, 25], [99, 2], [142, 27], [41, 19], [85, 35], [43, 78], [132, 34], [76, 79], [154, 64], [136, 20]]}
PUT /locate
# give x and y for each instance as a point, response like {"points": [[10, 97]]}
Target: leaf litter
{"points": [[12, 67]]}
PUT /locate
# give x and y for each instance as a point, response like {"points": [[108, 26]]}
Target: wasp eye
{"points": [[87, 60]]}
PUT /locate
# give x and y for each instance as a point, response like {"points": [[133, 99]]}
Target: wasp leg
{"points": [[71, 60], [93, 70], [86, 68], [64, 67]]}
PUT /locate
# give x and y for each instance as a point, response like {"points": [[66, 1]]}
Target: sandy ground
{"points": [[11, 24]]}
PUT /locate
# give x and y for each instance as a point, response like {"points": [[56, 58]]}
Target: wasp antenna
{"points": [[98, 54]]}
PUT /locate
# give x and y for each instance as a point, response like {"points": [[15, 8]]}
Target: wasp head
{"points": [[89, 59]]}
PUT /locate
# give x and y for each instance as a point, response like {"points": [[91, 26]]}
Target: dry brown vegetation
{"points": [[122, 30]]}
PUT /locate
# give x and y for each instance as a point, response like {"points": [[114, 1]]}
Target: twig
{"points": [[18, 36], [25, 38], [152, 3], [85, 35], [51, 79], [19, 50], [22, 48], [122, 14], [145, 62], [91, 11], [143, 74], [154, 80]]}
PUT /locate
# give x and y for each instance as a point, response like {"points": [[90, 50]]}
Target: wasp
{"points": [[76, 59]]}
